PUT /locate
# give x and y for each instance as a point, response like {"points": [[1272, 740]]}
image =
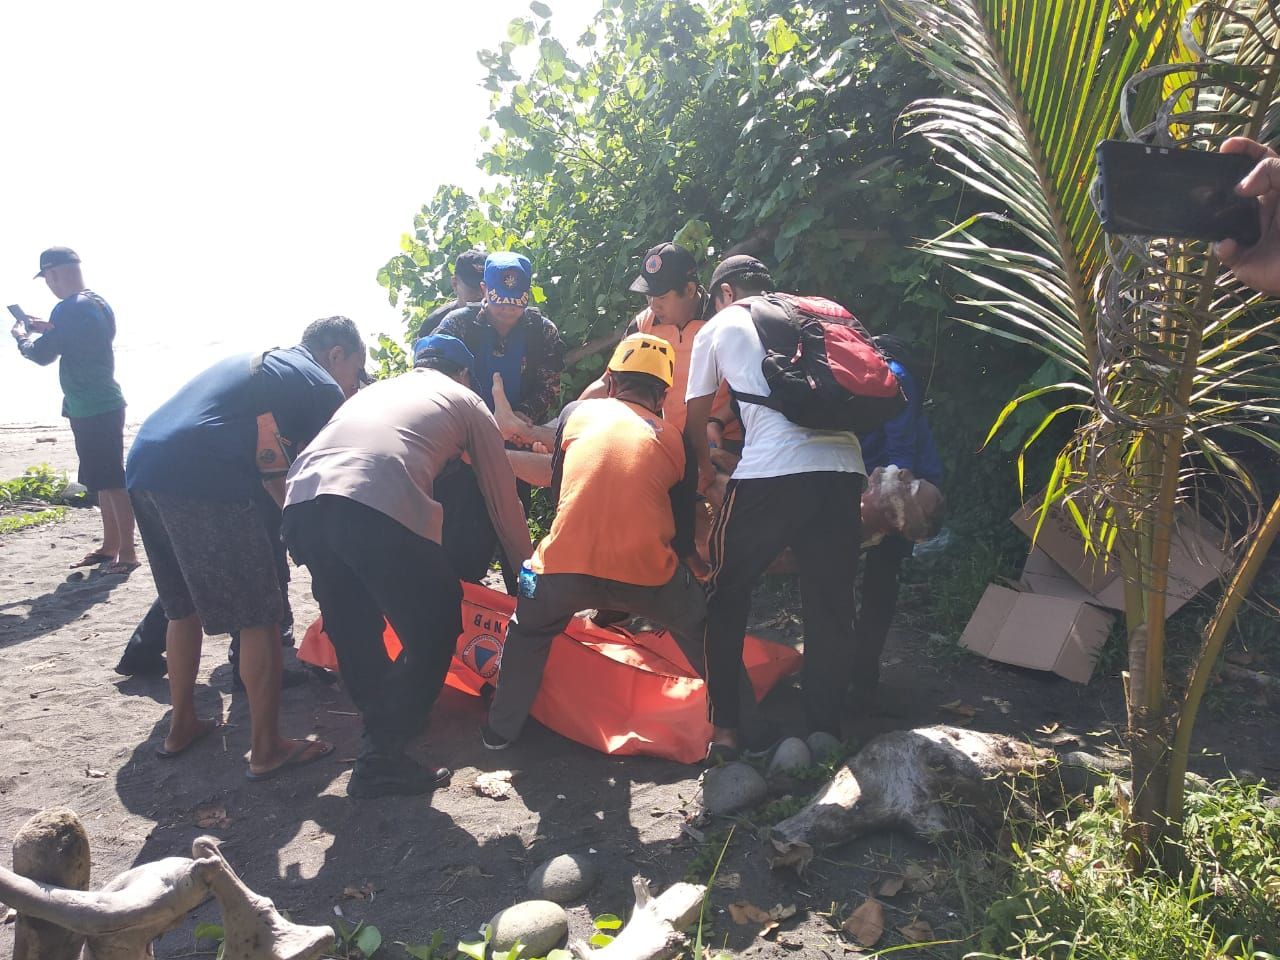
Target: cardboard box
{"points": [[1195, 560], [1039, 631]]}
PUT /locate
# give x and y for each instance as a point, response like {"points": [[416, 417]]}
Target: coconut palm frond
{"points": [[1022, 132]]}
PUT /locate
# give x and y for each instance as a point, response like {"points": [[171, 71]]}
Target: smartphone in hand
{"points": [[18, 313], [1164, 192]]}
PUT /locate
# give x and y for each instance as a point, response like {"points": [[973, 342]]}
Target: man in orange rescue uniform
{"points": [[677, 307], [624, 484]]}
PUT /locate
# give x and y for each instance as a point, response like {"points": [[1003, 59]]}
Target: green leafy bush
{"points": [[36, 483], [1070, 893]]}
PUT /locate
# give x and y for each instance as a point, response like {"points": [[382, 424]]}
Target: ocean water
{"points": [[149, 369]]}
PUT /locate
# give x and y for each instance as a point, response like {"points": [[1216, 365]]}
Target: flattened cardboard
{"points": [[1037, 631], [1195, 559]]}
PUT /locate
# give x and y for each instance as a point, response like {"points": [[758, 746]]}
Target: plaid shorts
{"points": [[210, 558]]}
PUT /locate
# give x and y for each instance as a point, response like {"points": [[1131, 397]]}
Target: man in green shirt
{"points": [[80, 331]]}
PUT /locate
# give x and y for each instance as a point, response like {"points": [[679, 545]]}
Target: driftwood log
{"points": [[656, 928], [926, 781], [59, 919]]}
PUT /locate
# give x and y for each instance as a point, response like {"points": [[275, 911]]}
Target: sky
{"points": [[228, 172]]}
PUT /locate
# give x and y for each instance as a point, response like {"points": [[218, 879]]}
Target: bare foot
{"points": [[182, 736], [509, 422], [289, 754]]}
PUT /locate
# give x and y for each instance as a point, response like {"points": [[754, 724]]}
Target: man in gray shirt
{"points": [[360, 514]]}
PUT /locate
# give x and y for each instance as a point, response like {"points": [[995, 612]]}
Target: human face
{"points": [[64, 281], [345, 367], [676, 307], [503, 316], [465, 292]]}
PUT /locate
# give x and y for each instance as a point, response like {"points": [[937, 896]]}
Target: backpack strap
{"points": [[769, 313]]}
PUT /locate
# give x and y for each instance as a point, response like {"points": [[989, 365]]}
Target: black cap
{"points": [[56, 257], [736, 266], [469, 267], [666, 267]]}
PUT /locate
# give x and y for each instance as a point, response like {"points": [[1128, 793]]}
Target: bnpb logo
{"points": [[483, 654], [653, 264]]}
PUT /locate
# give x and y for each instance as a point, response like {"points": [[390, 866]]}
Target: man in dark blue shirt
{"points": [[79, 333], [196, 475], [508, 337], [906, 442]]}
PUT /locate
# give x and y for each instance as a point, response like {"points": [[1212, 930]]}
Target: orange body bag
{"points": [[616, 692]]}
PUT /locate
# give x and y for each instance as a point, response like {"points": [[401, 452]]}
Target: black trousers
{"points": [[819, 516], [366, 567], [468, 535], [877, 604]]}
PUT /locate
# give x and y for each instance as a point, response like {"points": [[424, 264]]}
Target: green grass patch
{"points": [[23, 521], [1065, 893], [40, 483]]}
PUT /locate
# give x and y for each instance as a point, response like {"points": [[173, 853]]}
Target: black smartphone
{"points": [[1163, 192], [17, 312]]}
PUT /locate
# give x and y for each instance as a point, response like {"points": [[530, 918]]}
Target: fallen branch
{"points": [[656, 928], [120, 921]]}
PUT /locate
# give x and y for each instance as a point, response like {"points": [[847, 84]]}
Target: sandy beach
{"points": [[73, 733]]}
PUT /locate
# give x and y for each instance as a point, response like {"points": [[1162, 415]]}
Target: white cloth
{"points": [[728, 348]]}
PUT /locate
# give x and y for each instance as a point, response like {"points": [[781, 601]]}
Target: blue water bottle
{"points": [[528, 581]]}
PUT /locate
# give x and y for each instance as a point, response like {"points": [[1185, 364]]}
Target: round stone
{"points": [[564, 879], [790, 755], [824, 746], [733, 787], [539, 924]]}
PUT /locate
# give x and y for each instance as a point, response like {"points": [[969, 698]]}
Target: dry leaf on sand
{"points": [[917, 931], [768, 920], [890, 886], [359, 893], [919, 879], [211, 816], [960, 709], [866, 924], [786, 854]]}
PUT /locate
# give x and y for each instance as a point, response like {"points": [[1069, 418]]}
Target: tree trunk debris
{"points": [[927, 781], [656, 928], [120, 921]]}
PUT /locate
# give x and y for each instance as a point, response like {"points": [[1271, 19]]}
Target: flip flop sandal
{"points": [[297, 758], [164, 754], [122, 568], [91, 559]]}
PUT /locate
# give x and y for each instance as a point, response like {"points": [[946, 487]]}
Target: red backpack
{"points": [[822, 368]]}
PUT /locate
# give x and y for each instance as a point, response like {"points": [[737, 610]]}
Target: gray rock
{"points": [[564, 879], [823, 745], [790, 755], [733, 787], [538, 924]]}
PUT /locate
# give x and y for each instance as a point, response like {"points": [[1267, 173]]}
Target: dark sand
{"points": [[73, 733]]}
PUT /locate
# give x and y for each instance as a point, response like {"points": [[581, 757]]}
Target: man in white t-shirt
{"points": [[794, 487]]}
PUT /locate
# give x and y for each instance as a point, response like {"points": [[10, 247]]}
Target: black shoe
{"points": [[387, 777], [138, 663], [493, 740]]}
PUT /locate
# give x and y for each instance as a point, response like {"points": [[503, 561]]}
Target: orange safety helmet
{"points": [[645, 353]]}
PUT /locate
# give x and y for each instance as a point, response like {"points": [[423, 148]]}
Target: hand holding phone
{"points": [[19, 328], [1257, 265], [1162, 192]]}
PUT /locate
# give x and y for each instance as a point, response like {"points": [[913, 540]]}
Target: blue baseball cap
{"points": [[444, 347], [507, 278]]}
